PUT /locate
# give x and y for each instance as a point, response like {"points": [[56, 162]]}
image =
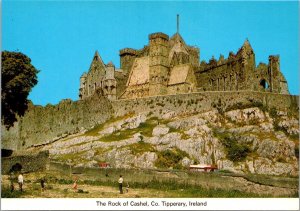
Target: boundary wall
{"points": [[42, 125]]}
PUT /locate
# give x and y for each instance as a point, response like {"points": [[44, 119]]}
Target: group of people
{"points": [[21, 182], [120, 181], [42, 181]]}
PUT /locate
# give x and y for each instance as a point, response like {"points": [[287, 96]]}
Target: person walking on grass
{"points": [[75, 185], [43, 184], [11, 179], [127, 187], [120, 181], [21, 181]]}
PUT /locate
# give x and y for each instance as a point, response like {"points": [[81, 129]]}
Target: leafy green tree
{"points": [[18, 76]]}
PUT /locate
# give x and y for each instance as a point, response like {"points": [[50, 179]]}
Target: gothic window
{"points": [[264, 84]]}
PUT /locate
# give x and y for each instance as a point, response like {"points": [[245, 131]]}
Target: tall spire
{"points": [[177, 23]]}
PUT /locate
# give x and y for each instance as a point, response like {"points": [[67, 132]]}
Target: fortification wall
{"points": [[204, 101], [29, 163], [42, 125], [10, 138]]}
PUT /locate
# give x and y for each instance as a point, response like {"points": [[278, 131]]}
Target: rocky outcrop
{"points": [[203, 138], [160, 130]]}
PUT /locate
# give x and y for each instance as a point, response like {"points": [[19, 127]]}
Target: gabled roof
{"points": [[97, 61], [179, 74], [176, 38], [177, 46], [247, 44], [139, 73], [246, 47]]}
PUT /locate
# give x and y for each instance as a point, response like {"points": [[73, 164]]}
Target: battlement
{"points": [[110, 64], [158, 35], [129, 51], [214, 63], [274, 58]]}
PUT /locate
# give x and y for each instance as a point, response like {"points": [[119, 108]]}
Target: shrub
{"points": [[170, 158], [273, 113], [82, 191], [235, 151], [141, 147]]}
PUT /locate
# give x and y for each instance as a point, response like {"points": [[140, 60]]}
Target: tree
{"points": [[18, 76]]}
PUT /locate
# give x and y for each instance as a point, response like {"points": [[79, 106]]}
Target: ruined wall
{"points": [[45, 124], [204, 101], [9, 139], [179, 88], [29, 163], [121, 79], [42, 125], [234, 73]]}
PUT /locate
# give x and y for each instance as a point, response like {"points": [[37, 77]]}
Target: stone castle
{"points": [[164, 80], [168, 66]]}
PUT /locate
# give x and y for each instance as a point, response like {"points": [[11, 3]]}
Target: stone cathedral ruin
{"points": [[168, 66], [166, 80]]}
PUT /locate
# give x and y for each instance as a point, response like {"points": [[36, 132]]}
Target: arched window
{"points": [[264, 84]]}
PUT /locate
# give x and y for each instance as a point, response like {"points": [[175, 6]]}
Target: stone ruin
{"points": [[168, 66]]}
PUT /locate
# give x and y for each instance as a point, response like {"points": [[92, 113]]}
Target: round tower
{"points": [[158, 63]]}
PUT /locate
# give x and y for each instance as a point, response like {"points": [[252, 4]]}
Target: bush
{"points": [[82, 191], [235, 151], [273, 113], [170, 158]]}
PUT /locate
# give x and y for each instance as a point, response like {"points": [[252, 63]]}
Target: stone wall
{"points": [[204, 101], [233, 73], [42, 125], [29, 163]]}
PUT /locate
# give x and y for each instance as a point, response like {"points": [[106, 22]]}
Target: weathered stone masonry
{"points": [[28, 163], [169, 66], [46, 124], [42, 125], [164, 76]]}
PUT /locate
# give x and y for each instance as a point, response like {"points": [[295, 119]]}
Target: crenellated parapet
{"points": [[129, 51], [158, 35]]}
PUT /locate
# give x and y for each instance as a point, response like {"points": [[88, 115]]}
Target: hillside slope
{"points": [[244, 140]]}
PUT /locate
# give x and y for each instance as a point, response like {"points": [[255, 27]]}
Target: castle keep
{"points": [[169, 66]]}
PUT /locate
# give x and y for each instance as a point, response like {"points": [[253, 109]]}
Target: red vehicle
{"points": [[104, 165]]}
